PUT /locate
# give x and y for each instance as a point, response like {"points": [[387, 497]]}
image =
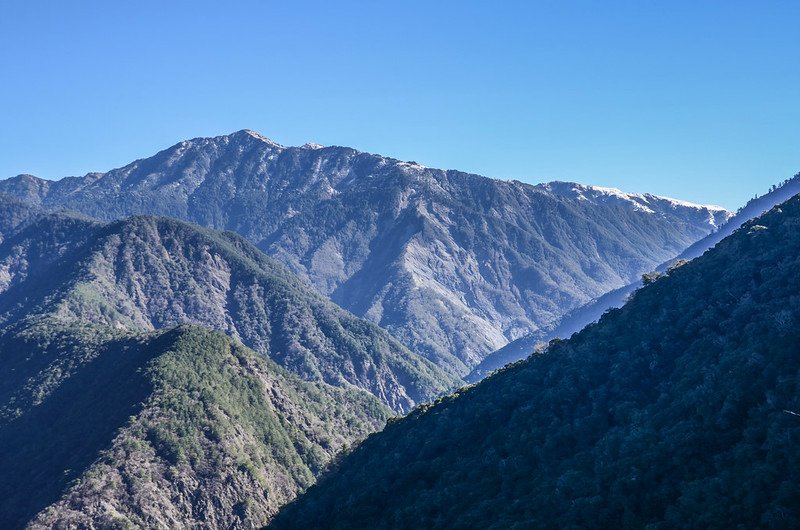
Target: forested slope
{"points": [[148, 273], [578, 318], [114, 413], [678, 410], [176, 429]]}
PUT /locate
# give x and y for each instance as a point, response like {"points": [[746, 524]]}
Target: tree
{"points": [[650, 277]]}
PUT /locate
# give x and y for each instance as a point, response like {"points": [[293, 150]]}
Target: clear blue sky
{"points": [[697, 100]]}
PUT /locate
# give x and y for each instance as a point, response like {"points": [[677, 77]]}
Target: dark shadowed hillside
{"points": [[682, 409], [176, 429], [454, 265], [14, 213]]}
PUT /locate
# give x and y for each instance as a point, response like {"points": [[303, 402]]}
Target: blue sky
{"points": [[696, 100]]}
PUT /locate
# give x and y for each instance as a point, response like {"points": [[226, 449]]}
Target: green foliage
{"points": [[650, 277], [13, 213], [152, 273], [65, 391], [85, 403], [106, 406], [668, 413]]}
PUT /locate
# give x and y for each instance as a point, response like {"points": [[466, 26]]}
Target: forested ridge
{"points": [[149, 273], [165, 429], [114, 413], [678, 410]]}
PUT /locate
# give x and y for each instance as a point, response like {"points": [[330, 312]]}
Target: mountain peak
{"points": [[27, 177], [588, 433], [314, 212], [244, 133]]}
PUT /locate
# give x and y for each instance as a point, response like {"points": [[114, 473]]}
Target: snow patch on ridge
{"points": [[642, 202], [262, 138], [581, 190]]}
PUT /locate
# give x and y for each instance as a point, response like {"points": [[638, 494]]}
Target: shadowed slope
{"points": [[178, 429]]}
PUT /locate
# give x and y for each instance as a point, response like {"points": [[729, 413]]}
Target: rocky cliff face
{"points": [[455, 265]]}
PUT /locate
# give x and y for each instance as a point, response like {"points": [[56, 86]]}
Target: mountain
{"points": [[147, 274], [127, 396], [452, 264], [572, 322], [181, 428], [577, 319], [754, 208], [681, 409], [15, 213]]}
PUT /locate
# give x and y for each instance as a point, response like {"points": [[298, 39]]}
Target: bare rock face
{"points": [[454, 265]]}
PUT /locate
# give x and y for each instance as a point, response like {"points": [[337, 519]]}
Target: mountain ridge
{"points": [[120, 407], [179, 428], [677, 410], [398, 243], [147, 273], [578, 318]]}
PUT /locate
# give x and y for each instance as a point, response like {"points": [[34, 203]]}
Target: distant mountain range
{"points": [[453, 265], [578, 318], [680, 410]]}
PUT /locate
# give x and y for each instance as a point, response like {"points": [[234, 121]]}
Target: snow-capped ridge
{"points": [[643, 202], [580, 191], [257, 136]]}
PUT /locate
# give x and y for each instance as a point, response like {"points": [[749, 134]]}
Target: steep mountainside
{"points": [[177, 429], [751, 210], [682, 409], [454, 265], [580, 317], [112, 418], [15, 213], [149, 273]]}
